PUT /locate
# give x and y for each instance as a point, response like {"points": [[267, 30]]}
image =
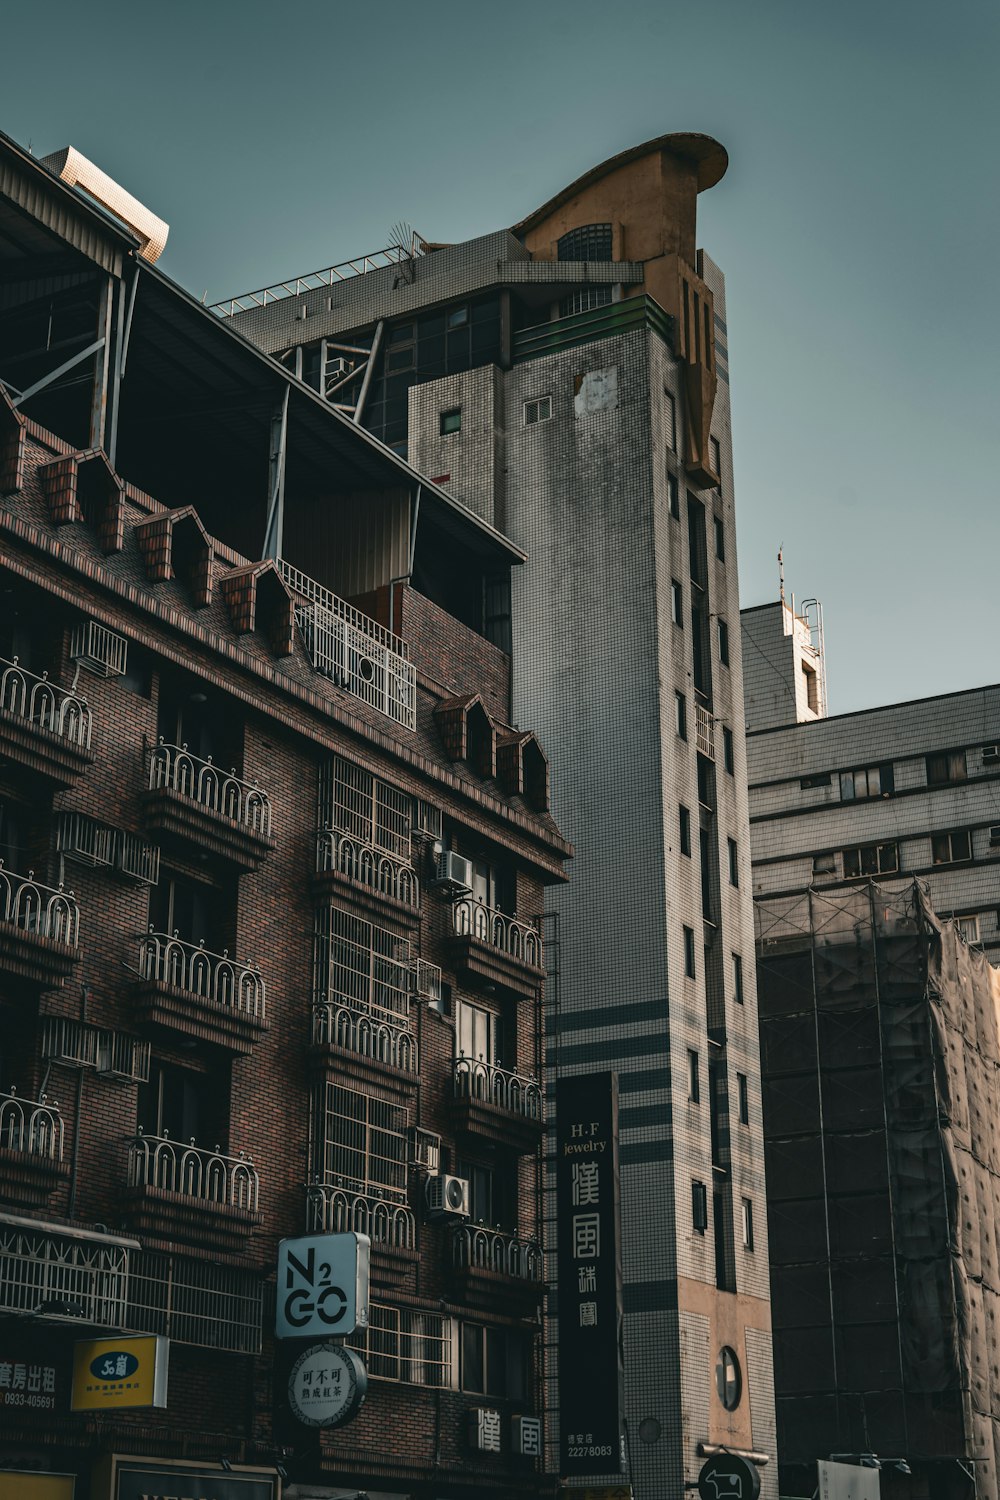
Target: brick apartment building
{"points": [[272, 864]]}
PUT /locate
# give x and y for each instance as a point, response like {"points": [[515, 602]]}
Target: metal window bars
{"points": [[352, 800], [38, 1265], [31, 1126], [371, 867], [359, 965], [375, 260], [475, 1247], [222, 792], [195, 1302], [519, 940], [101, 651], [408, 1345], [368, 1036], [361, 1143], [82, 838], [704, 731], [43, 704], [332, 1209], [476, 1079], [47, 911], [215, 977], [353, 650], [208, 1176], [77, 1044]]}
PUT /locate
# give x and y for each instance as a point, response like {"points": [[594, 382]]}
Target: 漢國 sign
{"points": [[322, 1285]]}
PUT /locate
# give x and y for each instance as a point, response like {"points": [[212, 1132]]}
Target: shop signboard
{"points": [[28, 1384], [111, 1374], [322, 1285], [20, 1486], [120, 1477]]}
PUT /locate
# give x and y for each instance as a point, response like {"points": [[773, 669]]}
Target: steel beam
{"points": [[102, 360], [274, 532], [359, 410]]}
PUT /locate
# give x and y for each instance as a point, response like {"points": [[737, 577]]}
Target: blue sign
{"points": [[114, 1365]]}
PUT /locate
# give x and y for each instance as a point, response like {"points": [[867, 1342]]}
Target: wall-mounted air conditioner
{"points": [[447, 1197], [454, 872]]}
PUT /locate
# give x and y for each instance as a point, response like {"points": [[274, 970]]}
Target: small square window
{"points": [[949, 766], [685, 826], [680, 708], [699, 1207], [720, 538], [723, 630], [948, 848], [451, 421], [694, 1077], [728, 758], [674, 496], [825, 864], [968, 928], [715, 454], [670, 420], [457, 318], [737, 979], [539, 410], [734, 862], [689, 952], [748, 1223], [743, 1098], [677, 602]]}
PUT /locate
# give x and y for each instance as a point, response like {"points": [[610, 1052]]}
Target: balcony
{"points": [[39, 930], [334, 1208], [494, 948], [193, 802], [31, 1149], [490, 1267], [47, 1266], [181, 1193], [354, 868], [205, 995], [44, 730], [358, 1041], [496, 1105]]}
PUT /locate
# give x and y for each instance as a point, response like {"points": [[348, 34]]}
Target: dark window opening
{"points": [[589, 242], [451, 421]]}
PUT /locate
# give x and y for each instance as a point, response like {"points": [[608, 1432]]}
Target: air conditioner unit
{"points": [[335, 368], [427, 982], [427, 822], [454, 872], [447, 1197], [99, 650], [991, 755]]}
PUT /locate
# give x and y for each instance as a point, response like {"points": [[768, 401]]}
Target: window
{"points": [[680, 708], [728, 1379], [451, 421], [694, 1077], [185, 1105], [689, 952], [748, 1223], [674, 496], [478, 1033], [720, 538], [823, 778], [670, 420], [871, 859], [812, 687], [723, 630], [737, 979], [968, 928], [362, 1142], [699, 1207], [867, 781], [825, 864], [742, 1098], [676, 603], [360, 965], [457, 318], [491, 1199], [728, 759], [353, 801], [403, 1344], [539, 410], [582, 301], [734, 862], [685, 827], [589, 242], [948, 848], [714, 451], [494, 1361], [950, 765]]}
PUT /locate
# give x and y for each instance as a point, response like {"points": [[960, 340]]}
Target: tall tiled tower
{"points": [[568, 380]]}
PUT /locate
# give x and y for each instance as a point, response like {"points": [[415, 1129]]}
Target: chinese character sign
{"points": [[589, 1275]]}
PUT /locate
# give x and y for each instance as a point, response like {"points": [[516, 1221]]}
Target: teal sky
{"points": [[857, 227]]}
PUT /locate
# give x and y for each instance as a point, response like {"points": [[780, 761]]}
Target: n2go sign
{"points": [[322, 1285]]}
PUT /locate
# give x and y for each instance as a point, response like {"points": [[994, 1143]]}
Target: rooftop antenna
{"points": [[404, 238], [781, 571]]}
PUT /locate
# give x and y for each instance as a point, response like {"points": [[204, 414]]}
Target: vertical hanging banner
{"points": [[589, 1271]]}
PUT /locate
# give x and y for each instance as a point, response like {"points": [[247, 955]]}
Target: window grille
{"points": [[354, 801], [88, 842], [195, 1302], [583, 301], [404, 1344], [360, 965], [37, 1265], [589, 242], [76, 1044], [362, 1141], [101, 651]]}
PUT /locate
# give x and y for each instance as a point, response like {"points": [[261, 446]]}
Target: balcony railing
{"points": [[338, 1210], [84, 1270], [174, 768], [31, 1126], [483, 1081], [41, 703], [44, 910], [369, 1036], [213, 977], [518, 940], [476, 1248], [353, 650], [206, 1176], [375, 868]]}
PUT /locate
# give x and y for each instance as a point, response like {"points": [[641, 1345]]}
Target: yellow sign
{"points": [[36, 1486], [109, 1374]]}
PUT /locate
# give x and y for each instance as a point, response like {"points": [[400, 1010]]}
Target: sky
{"points": [[857, 227]]}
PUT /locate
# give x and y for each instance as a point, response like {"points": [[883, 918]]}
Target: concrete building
{"points": [[270, 884], [901, 791], [567, 381]]}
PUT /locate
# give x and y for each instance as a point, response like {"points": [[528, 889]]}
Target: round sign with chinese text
{"points": [[327, 1385]]}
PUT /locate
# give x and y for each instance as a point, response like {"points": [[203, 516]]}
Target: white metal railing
{"points": [[333, 1209], [100, 650], [353, 650], [39, 1265], [476, 1079], [209, 1176], [220, 791], [704, 731], [41, 703], [196, 1301], [520, 940], [475, 1247], [44, 910], [375, 260], [367, 1035], [77, 1044], [374, 868], [361, 966], [82, 838], [31, 1125], [215, 977]]}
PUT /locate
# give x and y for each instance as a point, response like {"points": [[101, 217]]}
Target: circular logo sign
{"points": [[726, 1477], [114, 1365], [327, 1385]]}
